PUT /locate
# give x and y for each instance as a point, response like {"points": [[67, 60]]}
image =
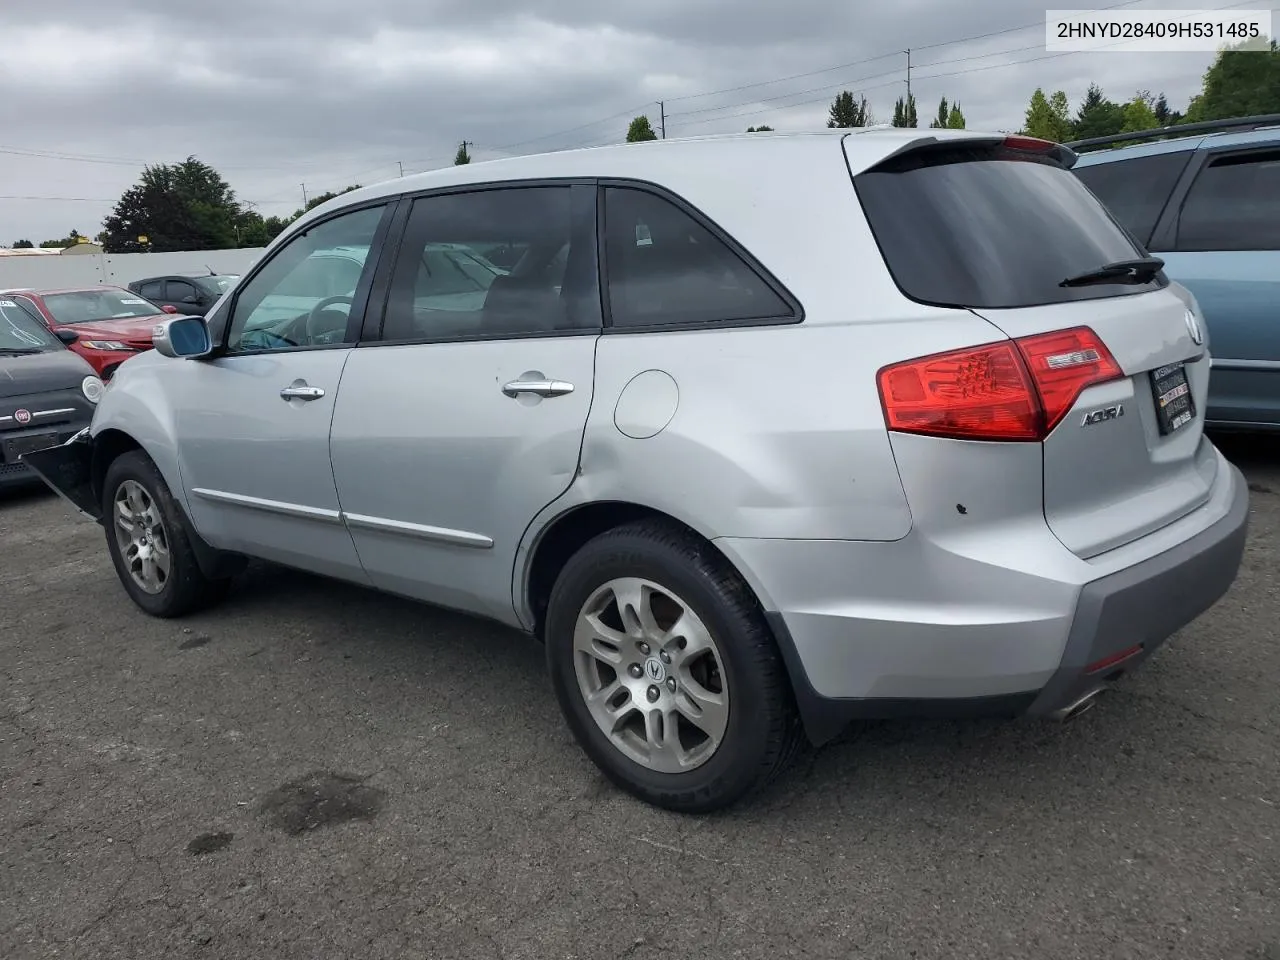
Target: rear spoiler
{"points": [[1058, 152]]}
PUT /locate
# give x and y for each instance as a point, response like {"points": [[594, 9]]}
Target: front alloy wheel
{"points": [[651, 675], [141, 536]]}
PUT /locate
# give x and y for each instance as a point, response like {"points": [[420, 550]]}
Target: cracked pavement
{"points": [[313, 770]]}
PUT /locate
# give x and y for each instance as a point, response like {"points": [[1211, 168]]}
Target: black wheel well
{"points": [[568, 534], [107, 446]]}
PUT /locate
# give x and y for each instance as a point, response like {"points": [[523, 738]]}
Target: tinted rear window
{"points": [[984, 227]]}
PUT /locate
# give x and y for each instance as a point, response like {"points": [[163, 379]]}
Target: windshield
{"points": [[87, 306], [216, 285], [19, 330], [986, 227]]}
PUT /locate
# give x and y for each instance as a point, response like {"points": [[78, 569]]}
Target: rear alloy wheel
{"points": [[666, 671], [150, 542], [651, 675]]}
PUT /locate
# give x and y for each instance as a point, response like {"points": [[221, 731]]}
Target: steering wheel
{"points": [[321, 325]]}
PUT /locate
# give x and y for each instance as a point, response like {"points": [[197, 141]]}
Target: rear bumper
{"points": [[1122, 618], [1004, 624]]}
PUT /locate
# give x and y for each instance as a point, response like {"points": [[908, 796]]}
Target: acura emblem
{"points": [[1193, 328], [655, 670], [22, 416]]}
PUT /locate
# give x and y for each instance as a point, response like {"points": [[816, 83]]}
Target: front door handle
{"points": [[300, 391], [543, 388]]}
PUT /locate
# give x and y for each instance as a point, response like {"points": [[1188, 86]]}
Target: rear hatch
{"points": [[1107, 370]]}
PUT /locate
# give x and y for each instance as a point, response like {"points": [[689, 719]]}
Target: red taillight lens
{"points": [[982, 393], [1015, 390], [1063, 364]]}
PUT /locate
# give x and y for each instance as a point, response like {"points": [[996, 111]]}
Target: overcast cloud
{"points": [[276, 93]]}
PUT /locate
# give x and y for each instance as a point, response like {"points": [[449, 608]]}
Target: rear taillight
{"points": [[1013, 390]]}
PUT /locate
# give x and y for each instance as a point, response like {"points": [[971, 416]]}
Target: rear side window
{"points": [[665, 268], [1234, 204], [987, 227], [154, 290], [445, 287], [1136, 190]]}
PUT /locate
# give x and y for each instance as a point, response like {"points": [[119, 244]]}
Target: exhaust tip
{"points": [[1073, 710]]}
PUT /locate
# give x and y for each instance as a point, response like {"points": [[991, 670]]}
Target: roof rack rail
{"points": [[1207, 126]]}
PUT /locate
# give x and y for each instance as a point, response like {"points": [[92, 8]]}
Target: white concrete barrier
{"points": [[119, 269]]}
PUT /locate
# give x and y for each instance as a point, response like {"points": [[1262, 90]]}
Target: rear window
{"points": [[988, 227]]}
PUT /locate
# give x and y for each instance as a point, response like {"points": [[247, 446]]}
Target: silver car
{"points": [[758, 435]]}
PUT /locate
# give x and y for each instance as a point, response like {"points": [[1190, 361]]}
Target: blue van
{"points": [[1208, 204]]}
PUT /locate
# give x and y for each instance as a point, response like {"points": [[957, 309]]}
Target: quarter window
{"points": [[304, 296], [1234, 204], [664, 267], [515, 261]]}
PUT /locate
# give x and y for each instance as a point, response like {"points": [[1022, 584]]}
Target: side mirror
{"points": [[169, 308], [183, 338], [66, 336], [190, 298]]}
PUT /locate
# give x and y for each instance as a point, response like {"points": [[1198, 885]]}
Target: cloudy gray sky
{"points": [[277, 93]]}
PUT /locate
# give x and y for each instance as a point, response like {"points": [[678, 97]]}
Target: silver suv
{"points": [[758, 435]]}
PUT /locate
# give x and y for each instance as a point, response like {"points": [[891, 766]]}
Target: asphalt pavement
{"points": [[316, 771]]}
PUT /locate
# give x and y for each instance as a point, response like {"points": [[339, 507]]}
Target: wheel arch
{"points": [[112, 443], [564, 533]]}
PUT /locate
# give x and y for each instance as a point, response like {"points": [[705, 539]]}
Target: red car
{"points": [[111, 324]]}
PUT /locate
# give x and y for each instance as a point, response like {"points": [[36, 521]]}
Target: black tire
{"points": [[186, 589], [763, 731]]}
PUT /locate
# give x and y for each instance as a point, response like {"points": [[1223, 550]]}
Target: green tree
{"points": [[1047, 116], [847, 112], [274, 226], [182, 206], [461, 156], [1097, 116], [23, 245], [949, 117], [904, 111], [1165, 116], [763, 128], [1242, 81], [70, 240], [251, 229], [1139, 115], [939, 122], [640, 130]]}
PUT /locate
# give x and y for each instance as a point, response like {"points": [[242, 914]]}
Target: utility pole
{"points": [[304, 196], [908, 52], [662, 117], [401, 166]]}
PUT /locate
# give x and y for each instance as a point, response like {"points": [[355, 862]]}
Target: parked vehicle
{"points": [[110, 323], [1208, 204], [47, 393], [189, 294], [742, 493]]}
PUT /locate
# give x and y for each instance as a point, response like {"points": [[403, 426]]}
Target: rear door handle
{"points": [[300, 391], [543, 388]]}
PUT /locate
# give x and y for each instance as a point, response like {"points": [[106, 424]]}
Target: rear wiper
{"points": [[19, 351], [1136, 270]]}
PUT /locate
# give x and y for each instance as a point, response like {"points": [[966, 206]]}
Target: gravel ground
{"points": [[315, 771]]}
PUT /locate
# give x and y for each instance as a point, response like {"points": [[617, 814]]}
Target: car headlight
{"points": [[92, 388], [105, 344]]}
